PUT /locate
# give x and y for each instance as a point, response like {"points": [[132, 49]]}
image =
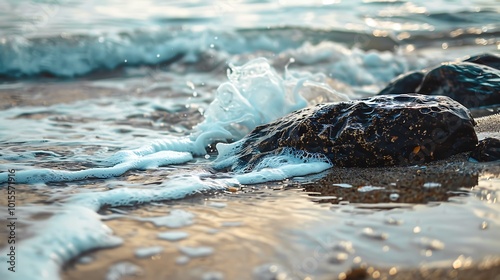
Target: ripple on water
{"points": [[370, 233], [429, 243]]}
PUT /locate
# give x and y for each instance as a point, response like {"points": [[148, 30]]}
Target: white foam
{"points": [[68, 233], [217, 204], [178, 218], [146, 252], [173, 235], [345, 186], [370, 188], [182, 260], [255, 94], [176, 188], [154, 160], [196, 252], [431, 185], [289, 162], [282, 172], [120, 270], [213, 275], [250, 98]]}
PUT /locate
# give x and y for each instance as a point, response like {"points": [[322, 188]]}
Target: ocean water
{"points": [[114, 115]]}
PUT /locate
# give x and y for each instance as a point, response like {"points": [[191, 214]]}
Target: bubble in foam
{"points": [[173, 235], [196, 252], [255, 94], [62, 237], [289, 163], [178, 218], [213, 275], [120, 270], [146, 252]]}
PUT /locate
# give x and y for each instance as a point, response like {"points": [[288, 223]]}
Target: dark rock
{"points": [[470, 84], [379, 131], [405, 83], [487, 150], [488, 59], [473, 83]]}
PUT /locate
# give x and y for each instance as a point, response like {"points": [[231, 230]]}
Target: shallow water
{"points": [[109, 113]]}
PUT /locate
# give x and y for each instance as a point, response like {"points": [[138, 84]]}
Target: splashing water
{"points": [[255, 94]]}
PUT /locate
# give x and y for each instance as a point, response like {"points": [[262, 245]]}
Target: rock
{"points": [[487, 150], [488, 59], [473, 83], [470, 84], [378, 131], [404, 83]]}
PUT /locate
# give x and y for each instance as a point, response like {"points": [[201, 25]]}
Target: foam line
{"points": [[73, 230], [51, 175], [176, 188], [282, 172]]}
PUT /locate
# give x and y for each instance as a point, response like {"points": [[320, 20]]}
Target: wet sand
{"points": [[244, 245]]}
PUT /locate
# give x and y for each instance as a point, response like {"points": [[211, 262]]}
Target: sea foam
{"points": [[255, 94]]}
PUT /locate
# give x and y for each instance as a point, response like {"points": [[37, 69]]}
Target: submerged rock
{"points": [[379, 131], [473, 83], [487, 150]]}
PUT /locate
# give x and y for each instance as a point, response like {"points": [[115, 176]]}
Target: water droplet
{"points": [[207, 156], [457, 264], [342, 185], [484, 225], [393, 196], [432, 185], [393, 271], [417, 229]]}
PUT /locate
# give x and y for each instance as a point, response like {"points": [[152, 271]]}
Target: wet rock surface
{"points": [[488, 59], [379, 131], [487, 150], [472, 85], [474, 82], [405, 83]]}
